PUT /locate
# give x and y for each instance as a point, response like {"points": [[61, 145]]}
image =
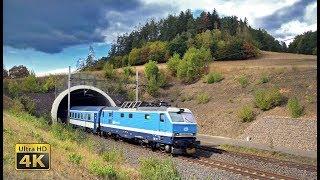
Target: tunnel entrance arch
{"points": [[81, 95]]}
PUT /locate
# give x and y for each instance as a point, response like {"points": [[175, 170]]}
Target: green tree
{"points": [[155, 79], [173, 63], [134, 56]]}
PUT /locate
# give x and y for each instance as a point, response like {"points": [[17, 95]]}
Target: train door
{"points": [[162, 122]]}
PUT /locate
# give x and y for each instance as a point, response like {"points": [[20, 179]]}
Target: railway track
{"points": [[237, 169], [233, 168], [290, 164]]}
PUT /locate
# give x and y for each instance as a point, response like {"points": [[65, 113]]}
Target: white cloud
{"points": [[251, 9], [293, 28], [56, 71], [311, 13]]}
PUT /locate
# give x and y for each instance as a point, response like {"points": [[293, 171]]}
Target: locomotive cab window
{"points": [[162, 117], [147, 116], [130, 115], [122, 115]]}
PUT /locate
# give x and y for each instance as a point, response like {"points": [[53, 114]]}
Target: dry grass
{"points": [[18, 131]]}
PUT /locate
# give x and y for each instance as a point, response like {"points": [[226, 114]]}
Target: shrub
{"points": [[28, 104], [173, 63], [152, 86], [109, 71], [128, 71], [103, 170], [203, 98], [113, 156], [246, 114], [243, 80], [151, 69], [75, 158], [155, 78], [30, 84], [213, 77], [152, 168], [193, 64], [134, 56], [49, 84], [264, 79], [14, 88], [17, 106], [267, 99], [296, 110]]}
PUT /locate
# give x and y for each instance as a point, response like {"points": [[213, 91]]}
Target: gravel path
{"points": [[195, 171], [300, 134]]}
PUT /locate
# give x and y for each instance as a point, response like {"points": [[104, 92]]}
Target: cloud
{"points": [[55, 71], [293, 12], [49, 26]]}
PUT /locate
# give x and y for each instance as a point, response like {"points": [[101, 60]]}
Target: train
{"points": [[159, 126]]}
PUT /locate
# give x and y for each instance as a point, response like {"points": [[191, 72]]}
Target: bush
{"points": [[173, 63], [213, 77], [30, 84], [246, 114], [109, 71], [28, 104], [134, 56], [113, 156], [17, 106], [264, 79], [152, 168], [103, 170], [49, 84], [14, 88], [75, 158], [243, 80], [267, 99], [203, 98], [128, 71], [153, 86], [193, 64], [155, 78], [296, 110]]}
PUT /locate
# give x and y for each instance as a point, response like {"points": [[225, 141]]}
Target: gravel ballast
{"points": [[300, 134]]}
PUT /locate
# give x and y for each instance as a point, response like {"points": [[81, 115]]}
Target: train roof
{"points": [[87, 108]]}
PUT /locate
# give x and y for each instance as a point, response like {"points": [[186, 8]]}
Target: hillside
{"points": [[294, 74]]}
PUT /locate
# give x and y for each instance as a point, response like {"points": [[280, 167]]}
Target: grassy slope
{"points": [[294, 74], [23, 130]]}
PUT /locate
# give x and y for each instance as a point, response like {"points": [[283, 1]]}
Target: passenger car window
{"points": [[130, 115], [147, 116], [162, 117], [122, 115]]}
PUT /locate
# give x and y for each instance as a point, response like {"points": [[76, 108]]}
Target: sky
{"points": [[48, 36]]}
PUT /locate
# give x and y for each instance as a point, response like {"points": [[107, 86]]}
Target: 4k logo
{"points": [[32, 156]]}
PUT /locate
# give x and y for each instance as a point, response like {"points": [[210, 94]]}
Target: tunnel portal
{"points": [[81, 95]]}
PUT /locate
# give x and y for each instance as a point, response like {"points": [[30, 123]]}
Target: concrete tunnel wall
{"points": [[81, 95]]}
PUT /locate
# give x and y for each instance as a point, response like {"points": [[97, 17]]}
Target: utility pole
{"points": [[137, 85], [69, 78]]}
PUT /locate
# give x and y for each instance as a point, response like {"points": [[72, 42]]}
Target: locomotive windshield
{"points": [[182, 117]]}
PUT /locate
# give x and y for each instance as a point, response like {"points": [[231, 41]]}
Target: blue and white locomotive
{"points": [[168, 128]]}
